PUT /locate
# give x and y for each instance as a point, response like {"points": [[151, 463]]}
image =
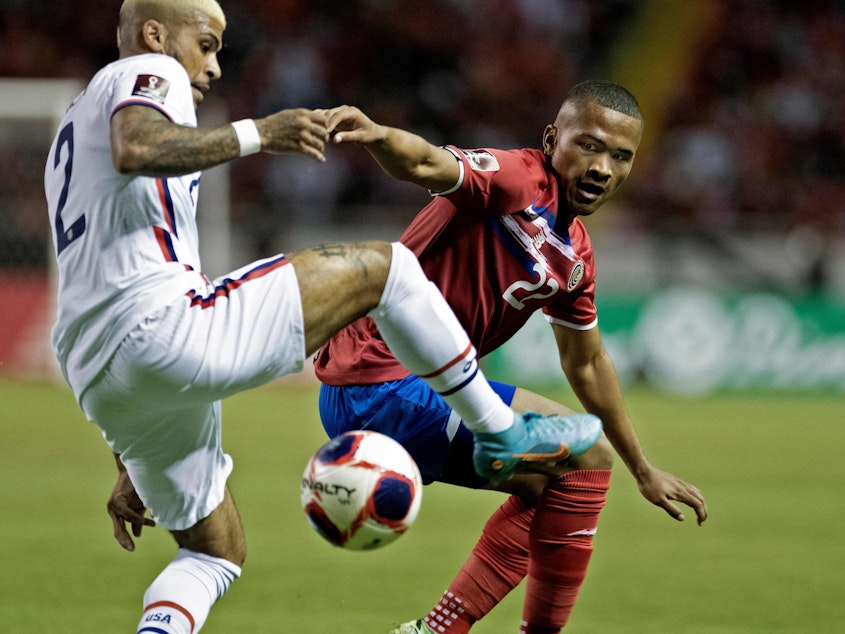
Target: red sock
{"points": [[497, 564], [561, 542]]}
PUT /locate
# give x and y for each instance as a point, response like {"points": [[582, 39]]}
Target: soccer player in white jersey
{"points": [[150, 346]]}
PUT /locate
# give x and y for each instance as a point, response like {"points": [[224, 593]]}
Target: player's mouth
{"points": [[589, 192], [199, 89]]}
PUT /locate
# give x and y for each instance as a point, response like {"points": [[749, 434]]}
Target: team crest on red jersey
{"points": [[152, 87], [481, 160], [576, 275]]}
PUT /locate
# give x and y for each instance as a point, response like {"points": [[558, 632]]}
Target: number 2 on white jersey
{"points": [[65, 236]]}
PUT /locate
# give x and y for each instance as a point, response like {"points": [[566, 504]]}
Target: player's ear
{"points": [[153, 36], [550, 139]]}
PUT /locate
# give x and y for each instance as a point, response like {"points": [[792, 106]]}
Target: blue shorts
{"points": [[409, 411]]}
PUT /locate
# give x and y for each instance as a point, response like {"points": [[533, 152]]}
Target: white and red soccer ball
{"points": [[361, 490]]}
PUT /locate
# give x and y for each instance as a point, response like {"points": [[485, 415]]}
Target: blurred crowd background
{"points": [[748, 136], [721, 261]]}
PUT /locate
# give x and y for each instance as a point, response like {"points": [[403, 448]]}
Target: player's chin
{"points": [[583, 209], [585, 205]]}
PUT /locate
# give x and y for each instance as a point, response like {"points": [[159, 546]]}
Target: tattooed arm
{"points": [[145, 142]]}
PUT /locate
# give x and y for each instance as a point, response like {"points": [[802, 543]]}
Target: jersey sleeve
{"points": [[497, 182], [576, 308], [159, 82]]}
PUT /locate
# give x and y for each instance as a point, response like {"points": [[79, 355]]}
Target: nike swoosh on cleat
{"points": [[561, 453]]}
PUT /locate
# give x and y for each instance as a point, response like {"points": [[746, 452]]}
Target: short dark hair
{"points": [[606, 94]]}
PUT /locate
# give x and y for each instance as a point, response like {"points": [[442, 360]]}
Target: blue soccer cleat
{"points": [[533, 439]]}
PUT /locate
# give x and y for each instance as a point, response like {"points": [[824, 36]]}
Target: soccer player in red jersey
{"points": [[501, 239]]}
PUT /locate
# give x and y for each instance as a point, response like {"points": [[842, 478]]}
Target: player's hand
{"points": [[663, 489], [297, 131], [347, 124], [125, 507]]}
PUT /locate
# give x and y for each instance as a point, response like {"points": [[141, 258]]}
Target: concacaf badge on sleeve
{"points": [[481, 160]]}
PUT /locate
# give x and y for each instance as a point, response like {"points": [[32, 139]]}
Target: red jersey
{"points": [[493, 247]]}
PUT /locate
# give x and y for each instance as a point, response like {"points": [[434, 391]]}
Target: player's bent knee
{"points": [[526, 486], [338, 283], [229, 545], [221, 534], [599, 456]]}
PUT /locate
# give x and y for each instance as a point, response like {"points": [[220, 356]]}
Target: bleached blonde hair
{"points": [[133, 14]]}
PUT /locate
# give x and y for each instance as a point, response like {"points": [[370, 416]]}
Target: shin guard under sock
{"points": [[496, 566], [561, 543], [179, 599]]}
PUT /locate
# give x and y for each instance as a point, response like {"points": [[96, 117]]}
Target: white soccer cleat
{"points": [[412, 627]]}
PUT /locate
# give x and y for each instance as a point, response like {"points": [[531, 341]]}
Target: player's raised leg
{"points": [[341, 282], [385, 281]]}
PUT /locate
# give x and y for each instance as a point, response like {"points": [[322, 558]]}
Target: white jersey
{"points": [[125, 245]]}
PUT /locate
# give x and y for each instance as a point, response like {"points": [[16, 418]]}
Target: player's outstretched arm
{"points": [[593, 379], [403, 155], [124, 506], [145, 142]]}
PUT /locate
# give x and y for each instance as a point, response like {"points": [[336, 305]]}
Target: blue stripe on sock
{"points": [[155, 630], [462, 385]]}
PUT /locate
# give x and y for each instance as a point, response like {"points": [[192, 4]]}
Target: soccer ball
{"points": [[361, 490]]}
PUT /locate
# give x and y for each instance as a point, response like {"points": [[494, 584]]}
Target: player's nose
{"points": [[600, 167], [212, 67]]}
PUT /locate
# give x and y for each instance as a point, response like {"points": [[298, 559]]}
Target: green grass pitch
{"points": [[769, 559]]}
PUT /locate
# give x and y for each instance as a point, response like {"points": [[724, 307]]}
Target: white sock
{"points": [[424, 335], [180, 598]]}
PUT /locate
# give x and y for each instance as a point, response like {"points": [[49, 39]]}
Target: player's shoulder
{"points": [[494, 160], [151, 61], [163, 67], [526, 163], [151, 79]]}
